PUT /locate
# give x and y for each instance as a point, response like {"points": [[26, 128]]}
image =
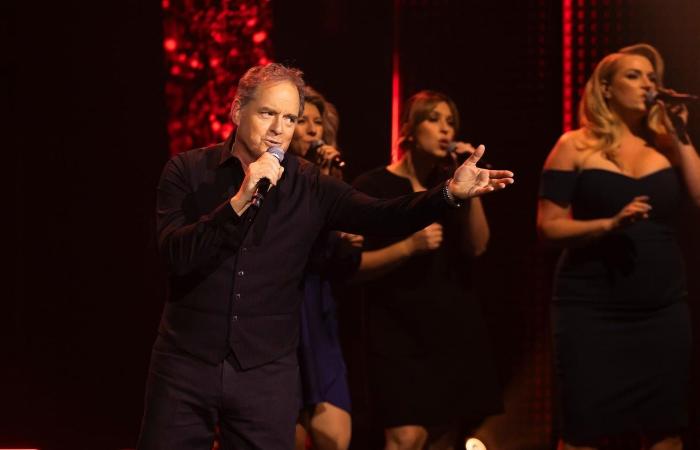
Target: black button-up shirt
{"points": [[235, 283]]}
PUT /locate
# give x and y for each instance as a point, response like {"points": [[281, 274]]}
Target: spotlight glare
{"points": [[474, 444]]}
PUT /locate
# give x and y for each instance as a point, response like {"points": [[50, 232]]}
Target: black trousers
{"points": [[186, 398]]}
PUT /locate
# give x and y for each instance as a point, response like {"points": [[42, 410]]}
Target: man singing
{"points": [[226, 350]]}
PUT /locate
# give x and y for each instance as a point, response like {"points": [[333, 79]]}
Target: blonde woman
{"points": [[609, 195], [325, 415]]}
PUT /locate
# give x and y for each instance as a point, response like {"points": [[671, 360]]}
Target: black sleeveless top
{"points": [[637, 266]]}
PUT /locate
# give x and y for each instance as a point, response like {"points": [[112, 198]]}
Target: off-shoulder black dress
{"points": [[620, 321]]}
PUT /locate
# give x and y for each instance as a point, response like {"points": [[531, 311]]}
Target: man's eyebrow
{"points": [[268, 109]]}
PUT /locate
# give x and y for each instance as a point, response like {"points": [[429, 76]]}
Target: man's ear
{"points": [[236, 112]]}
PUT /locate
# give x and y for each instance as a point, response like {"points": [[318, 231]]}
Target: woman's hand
{"points": [[637, 209], [676, 119], [325, 155], [460, 151], [352, 240], [425, 240]]}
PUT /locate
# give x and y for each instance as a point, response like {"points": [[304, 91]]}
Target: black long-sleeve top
{"points": [[235, 283]]}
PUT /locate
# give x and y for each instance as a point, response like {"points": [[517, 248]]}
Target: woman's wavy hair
{"points": [[416, 110], [329, 115], [600, 125]]}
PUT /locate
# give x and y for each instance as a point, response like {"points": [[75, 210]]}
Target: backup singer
{"points": [[426, 331], [609, 195], [326, 397]]}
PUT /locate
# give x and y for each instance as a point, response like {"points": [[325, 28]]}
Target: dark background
{"points": [[84, 83]]}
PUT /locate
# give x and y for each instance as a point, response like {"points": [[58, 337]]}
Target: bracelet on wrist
{"points": [[449, 198]]}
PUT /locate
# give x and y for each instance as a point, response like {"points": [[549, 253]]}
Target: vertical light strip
{"points": [[567, 58], [395, 86]]}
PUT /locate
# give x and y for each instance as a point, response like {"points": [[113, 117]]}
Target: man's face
{"points": [[268, 120]]}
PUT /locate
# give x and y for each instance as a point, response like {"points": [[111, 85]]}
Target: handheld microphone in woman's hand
{"points": [[459, 158], [669, 97], [313, 156]]}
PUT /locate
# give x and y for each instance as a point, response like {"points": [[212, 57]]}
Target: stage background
{"points": [[86, 89]]}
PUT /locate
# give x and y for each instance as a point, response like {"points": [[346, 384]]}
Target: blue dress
{"points": [[322, 367]]}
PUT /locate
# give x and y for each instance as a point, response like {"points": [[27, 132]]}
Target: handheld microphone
{"points": [[312, 155], [665, 96], [461, 157], [264, 184]]}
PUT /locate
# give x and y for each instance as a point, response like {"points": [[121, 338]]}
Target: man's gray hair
{"points": [[269, 73]]}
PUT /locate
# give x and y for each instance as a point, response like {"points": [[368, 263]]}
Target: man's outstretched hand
{"points": [[471, 181]]}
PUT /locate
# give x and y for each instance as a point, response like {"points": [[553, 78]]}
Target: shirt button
{"points": [[235, 318], [241, 273], [238, 296]]}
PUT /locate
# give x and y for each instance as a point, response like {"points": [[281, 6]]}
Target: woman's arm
{"points": [[555, 225], [689, 162], [554, 221], [683, 152], [476, 233], [474, 228], [375, 263]]}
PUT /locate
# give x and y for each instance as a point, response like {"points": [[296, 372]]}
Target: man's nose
{"points": [[276, 126]]}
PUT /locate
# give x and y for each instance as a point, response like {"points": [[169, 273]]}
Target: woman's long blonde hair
{"points": [[601, 127], [329, 115]]}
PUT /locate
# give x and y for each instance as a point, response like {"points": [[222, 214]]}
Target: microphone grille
{"points": [[277, 153], [650, 98], [452, 147], [316, 144]]}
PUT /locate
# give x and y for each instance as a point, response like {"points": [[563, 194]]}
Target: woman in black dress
{"points": [[430, 367], [610, 193]]}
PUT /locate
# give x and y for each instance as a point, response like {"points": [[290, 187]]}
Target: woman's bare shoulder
{"points": [[567, 152]]}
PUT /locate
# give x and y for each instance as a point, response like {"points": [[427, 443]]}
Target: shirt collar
{"points": [[226, 154]]}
